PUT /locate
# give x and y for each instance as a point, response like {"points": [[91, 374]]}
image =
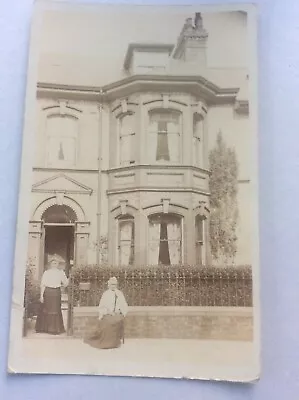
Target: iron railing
{"points": [[164, 286]]}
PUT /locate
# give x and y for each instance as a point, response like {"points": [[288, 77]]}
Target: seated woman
{"points": [[49, 318], [112, 310]]}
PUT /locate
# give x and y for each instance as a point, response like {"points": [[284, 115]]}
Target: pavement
{"points": [[176, 358]]}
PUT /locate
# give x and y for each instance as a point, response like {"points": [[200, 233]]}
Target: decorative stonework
{"points": [[61, 183], [200, 108], [165, 204], [124, 106], [62, 107], [165, 100], [242, 107], [202, 209], [123, 206], [60, 198], [44, 205]]}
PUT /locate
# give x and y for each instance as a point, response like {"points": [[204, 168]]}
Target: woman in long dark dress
{"points": [[49, 319]]}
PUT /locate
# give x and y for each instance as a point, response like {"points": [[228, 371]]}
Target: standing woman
{"points": [[49, 319]]}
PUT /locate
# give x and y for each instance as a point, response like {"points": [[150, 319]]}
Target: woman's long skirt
{"points": [[49, 318], [108, 333]]}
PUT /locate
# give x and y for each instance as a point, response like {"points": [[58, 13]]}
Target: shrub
{"points": [[32, 293]]}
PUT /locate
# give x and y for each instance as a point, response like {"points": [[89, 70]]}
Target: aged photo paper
{"points": [[137, 250]]}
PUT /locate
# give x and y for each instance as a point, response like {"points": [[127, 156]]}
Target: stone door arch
{"points": [[63, 217]]}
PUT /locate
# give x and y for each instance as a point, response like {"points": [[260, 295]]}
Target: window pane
{"points": [[199, 253], [199, 229], [162, 147], [126, 242], [126, 137], [165, 124], [62, 134], [164, 250]]}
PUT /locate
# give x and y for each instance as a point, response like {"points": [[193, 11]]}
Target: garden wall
{"points": [[207, 323]]}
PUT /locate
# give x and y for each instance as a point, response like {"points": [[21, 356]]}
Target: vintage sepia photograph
{"points": [[137, 248]]}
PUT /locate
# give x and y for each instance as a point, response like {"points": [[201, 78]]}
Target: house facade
{"points": [[121, 171]]}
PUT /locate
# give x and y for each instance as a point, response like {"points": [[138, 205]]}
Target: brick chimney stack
{"points": [[191, 44]]}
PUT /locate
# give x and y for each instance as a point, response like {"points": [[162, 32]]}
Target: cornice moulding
{"points": [[195, 85]]}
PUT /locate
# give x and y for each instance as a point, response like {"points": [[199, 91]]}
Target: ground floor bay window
{"points": [[165, 239]]}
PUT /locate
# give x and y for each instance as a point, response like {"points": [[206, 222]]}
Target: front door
{"points": [[60, 240]]}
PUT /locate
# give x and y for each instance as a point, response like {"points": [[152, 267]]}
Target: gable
{"points": [[61, 183]]}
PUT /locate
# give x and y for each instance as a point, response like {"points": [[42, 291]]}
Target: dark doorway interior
{"points": [[60, 240]]}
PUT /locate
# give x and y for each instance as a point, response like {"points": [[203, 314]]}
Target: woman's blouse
{"points": [[113, 301], [54, 278]]}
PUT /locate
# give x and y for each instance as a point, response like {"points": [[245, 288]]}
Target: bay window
{"points": [[165, 239]]}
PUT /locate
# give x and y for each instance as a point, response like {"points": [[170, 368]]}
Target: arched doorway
{"points": [[59, 234]]}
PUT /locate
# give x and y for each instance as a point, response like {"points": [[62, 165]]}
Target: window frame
{"points": [[120, 118], [127, 218], [176, 218], [200, 243], [60, 136], [156, 112]]}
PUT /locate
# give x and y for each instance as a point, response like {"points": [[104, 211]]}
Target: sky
{"points": [[89, 46]]}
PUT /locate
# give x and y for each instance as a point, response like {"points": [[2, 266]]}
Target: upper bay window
{"points": [[164, 144]]}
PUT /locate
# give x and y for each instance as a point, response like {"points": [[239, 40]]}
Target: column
{"points": [[36, 248], [81, 246], [143, 238], [207, 249], [205, 143], [143, 131], [138, 132], [190, 250]]}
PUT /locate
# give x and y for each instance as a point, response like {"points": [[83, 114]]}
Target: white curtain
{"points": [[126, 229], [154, 243], [174, 242]]}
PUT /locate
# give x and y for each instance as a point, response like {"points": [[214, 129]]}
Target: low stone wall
{"points": [[209, 323]]}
